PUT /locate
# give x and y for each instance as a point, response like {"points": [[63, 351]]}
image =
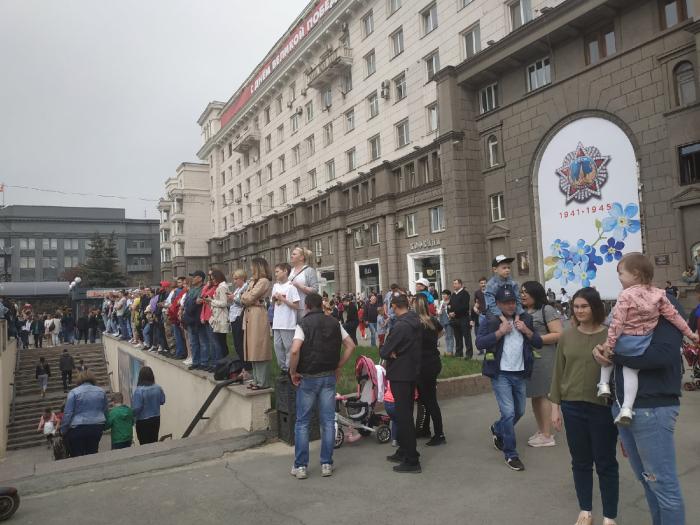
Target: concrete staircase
{"points": [[29, 405]]}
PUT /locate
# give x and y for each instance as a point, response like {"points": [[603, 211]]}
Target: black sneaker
{"points": [[436, 440], [497, 440], [395, 457], [408, 468], [515, 464], [194, 367], [423, 433]]}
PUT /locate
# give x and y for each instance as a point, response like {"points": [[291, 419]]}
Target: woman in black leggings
{"points": [[431, 365], [146, 402]]}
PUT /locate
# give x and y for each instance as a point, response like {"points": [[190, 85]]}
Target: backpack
{"points": [[227, 368], [52, 326]]}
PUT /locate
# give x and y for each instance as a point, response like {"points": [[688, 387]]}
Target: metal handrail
{"points": [[200, 414]]}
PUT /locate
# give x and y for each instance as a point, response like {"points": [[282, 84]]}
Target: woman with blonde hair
{"points": [[302, 276], [256, 328], [235, 314], [219, 313]]}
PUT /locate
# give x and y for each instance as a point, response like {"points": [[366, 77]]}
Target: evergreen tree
{"points": [[110, 263], [101, 269]]}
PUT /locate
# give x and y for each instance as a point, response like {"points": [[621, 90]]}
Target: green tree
{"points": [[110, 263], [101, 268]]}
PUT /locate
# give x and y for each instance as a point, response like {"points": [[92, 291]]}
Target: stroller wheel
{"points": [[9, 503], [363, 432], [383, 433], [339, 438]]}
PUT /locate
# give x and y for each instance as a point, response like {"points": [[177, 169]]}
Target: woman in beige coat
{"points": [[219, 313], [256, 327]]}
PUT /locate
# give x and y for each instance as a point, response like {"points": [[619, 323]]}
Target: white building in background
{"points": [[333, 142], [185, 212]]}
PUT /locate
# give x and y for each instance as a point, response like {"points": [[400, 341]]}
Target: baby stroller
{"points": [[355, 413], [691, 353]]}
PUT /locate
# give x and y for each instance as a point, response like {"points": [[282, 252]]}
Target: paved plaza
{"points": [[463, 482]]}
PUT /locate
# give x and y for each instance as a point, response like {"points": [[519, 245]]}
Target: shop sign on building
{"points": [[587, 188], [426, 243]]}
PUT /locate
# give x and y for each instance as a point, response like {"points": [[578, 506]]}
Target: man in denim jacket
{"points": [[508, 362]]}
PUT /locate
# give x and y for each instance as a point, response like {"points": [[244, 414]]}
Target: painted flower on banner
{"points": [[579, 262]]}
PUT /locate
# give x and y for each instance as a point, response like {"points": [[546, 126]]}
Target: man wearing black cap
{"points": [[508, 362], [192, 310], [402, 350]]}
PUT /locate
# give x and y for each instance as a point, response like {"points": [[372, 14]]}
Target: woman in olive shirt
{"points": [[590, 430]]}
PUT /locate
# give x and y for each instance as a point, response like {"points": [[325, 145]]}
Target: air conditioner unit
{"points": [[386, 84], [384, 93], [348, 231], [398, 226], [289, 104], [303, 92], [365, 227], [300, 110], [318, 259]]}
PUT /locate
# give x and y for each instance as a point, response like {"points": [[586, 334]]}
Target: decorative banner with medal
{"points": [[588, 206]]}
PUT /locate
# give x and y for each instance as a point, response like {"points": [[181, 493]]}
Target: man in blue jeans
{"points": [[508, 362], [192, 311], [648, 441], [314, 363]]}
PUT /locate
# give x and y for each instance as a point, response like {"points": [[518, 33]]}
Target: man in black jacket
{"points": [[402, 350], [66, 364], [649, 441], [460, 318]]}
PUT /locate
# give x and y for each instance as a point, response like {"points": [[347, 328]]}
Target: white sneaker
{"points": [[299, 472], [624, 418], [187, 362], [542, 441], [326, 470], [534, 437], [604, 390], [394, 443]]}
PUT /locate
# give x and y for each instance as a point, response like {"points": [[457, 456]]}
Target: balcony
{"points": [[132, 250], [247, 139], [331, 64], [139, 268]]}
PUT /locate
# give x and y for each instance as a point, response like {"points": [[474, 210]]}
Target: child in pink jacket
{"points": [[634, 318]]}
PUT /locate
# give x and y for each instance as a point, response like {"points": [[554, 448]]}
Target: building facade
{"points": [[185, 215], [39, 243], [399, 140]]}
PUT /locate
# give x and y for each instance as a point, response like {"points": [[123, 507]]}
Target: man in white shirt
{"points": [[284, 321]]}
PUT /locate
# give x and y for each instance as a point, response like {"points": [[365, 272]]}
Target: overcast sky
{"points": [[103, 97]]}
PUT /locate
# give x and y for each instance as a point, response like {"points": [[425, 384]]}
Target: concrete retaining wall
{"points": [[186, 391], [8, 356]]}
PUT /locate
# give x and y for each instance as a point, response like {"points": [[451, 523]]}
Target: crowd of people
{"points": [[600, 377]]}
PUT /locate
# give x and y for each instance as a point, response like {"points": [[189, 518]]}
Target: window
{"points": [[402, 134], [281, 164], [346, 82], [367, 24], [328, 134], [268, 143], [472, 41], [358, 238], [497, 208], [292, 92], [600, 45], [351, 157], [684, 78], [370, 63], [374, 233], [268, 170], [280, 134], [520, 13], [318, 248], [437, 219], [432, 111], [330, 170], [400, 86], [266, 115], [224, 224], [312, 179], [327, 97], [278, 104], [309, 111], [394, 6], [423, 171], [689, 160], [375, 150], [258, 179], [538, 74], [409, 171], [411, 225], [432, 64], [373, 105], [27, 262], [270, 200], [297, 186], [283, 194], [488, 98], [294, 122], [296, 155], [330, 245], [258, 205], [247, 187], [400, 178], [349, 120], [492, 150], [397, 42], [310, 145], [49, 263], [429, 19], [49, 244], [674, 11], [72, 261], [465, 3]]}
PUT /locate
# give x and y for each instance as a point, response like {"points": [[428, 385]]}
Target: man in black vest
{"points": [[460, 319], [314, 364], [402, 350]]}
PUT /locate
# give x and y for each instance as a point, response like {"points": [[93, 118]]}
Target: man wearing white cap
{"points": [[422, 285]]}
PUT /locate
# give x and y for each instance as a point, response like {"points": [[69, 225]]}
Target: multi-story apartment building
{"points": [[343, 141], [38, 243], [185, 215]]}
